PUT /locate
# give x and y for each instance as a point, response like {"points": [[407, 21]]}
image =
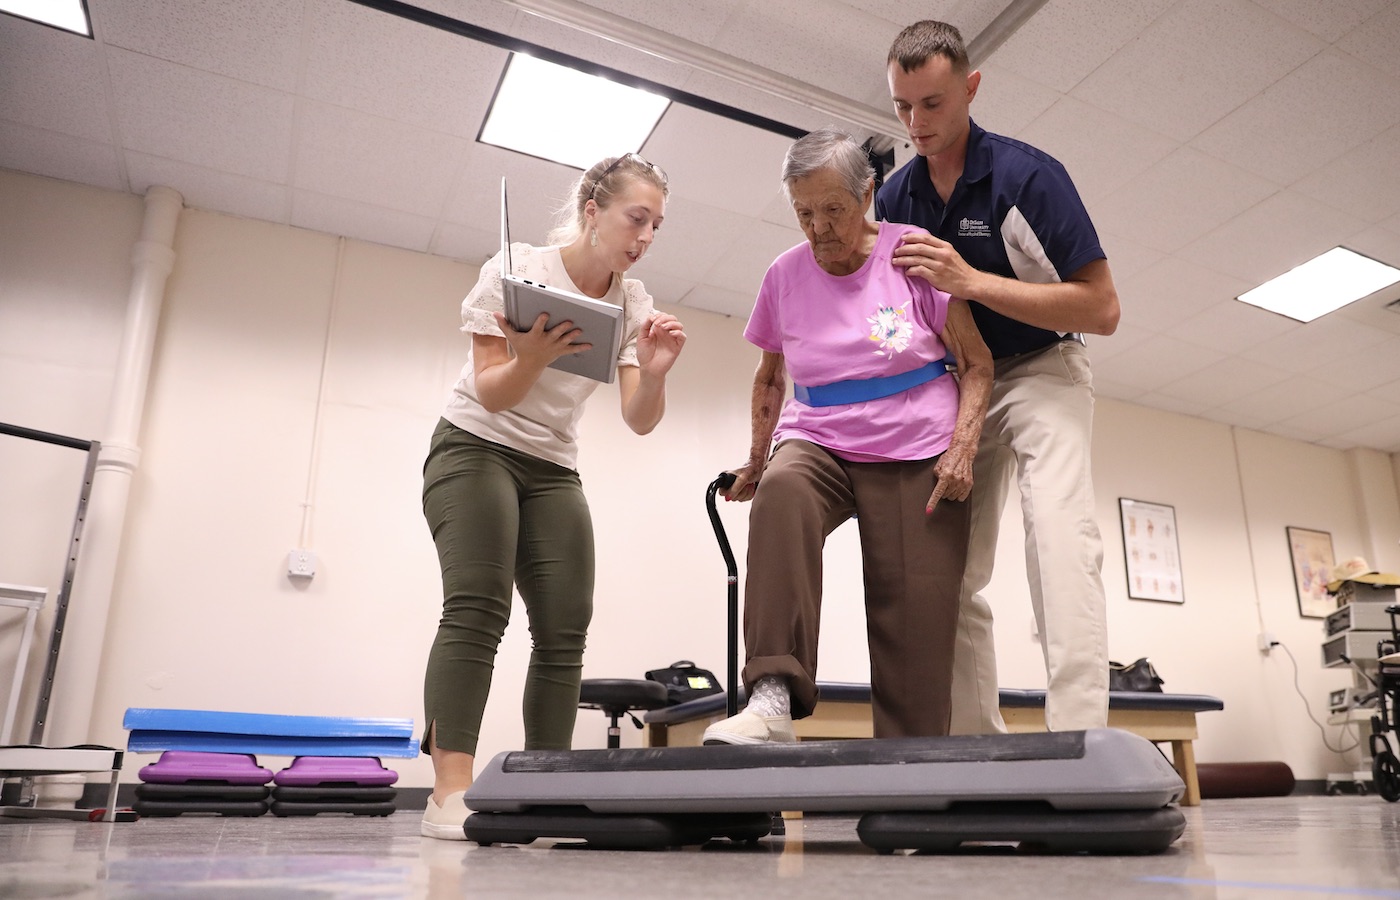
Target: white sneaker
{"points": [[751, 728], [445, 822]]}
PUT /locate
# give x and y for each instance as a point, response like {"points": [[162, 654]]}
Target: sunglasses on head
{"points": [[617, 162]]}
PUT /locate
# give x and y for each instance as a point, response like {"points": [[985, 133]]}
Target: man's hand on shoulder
{"points": [[920, 253]]}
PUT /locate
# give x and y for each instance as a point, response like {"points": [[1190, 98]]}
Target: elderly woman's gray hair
{"points": [[828, 148]]}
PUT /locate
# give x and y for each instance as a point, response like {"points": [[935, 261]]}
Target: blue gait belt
{"points": [[858, 390]]}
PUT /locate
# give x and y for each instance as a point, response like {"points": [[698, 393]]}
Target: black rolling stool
{"points": [[617, 697]]}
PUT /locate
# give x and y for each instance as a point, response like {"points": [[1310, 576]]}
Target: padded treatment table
{"points": [[153, 730], [1102, 789], [844, 712]]}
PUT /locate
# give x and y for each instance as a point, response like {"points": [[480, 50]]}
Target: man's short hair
{"points": [[924, 40]]}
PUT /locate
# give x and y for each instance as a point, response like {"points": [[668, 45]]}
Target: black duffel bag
{"points": [[1135, 676]]}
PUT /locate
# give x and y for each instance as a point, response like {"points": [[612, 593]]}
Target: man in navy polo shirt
{"points": [[1008, 231]]}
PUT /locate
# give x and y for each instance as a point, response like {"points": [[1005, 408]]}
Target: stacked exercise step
{"points": [[208, 763], [1098, 791], [233, 784]]}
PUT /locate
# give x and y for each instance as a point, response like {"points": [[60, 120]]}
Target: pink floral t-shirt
{"points": [[871, 323]]}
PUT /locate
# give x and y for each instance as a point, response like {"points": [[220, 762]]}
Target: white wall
{"points": [[261, 319]]}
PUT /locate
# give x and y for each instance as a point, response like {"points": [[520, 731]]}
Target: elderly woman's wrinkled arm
{"points": [[769, 389], [954, 469]]}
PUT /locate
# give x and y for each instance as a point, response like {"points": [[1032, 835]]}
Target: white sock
{"points": [[770, 697]]}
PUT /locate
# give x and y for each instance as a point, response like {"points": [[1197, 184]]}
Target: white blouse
{"points": [[545, 423]]}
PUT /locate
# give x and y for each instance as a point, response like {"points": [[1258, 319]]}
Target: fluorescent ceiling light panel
{"points": [[70, 15], [558, 113], [1322, 284]]}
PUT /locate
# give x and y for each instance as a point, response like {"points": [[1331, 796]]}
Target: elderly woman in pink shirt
{"points": [[891, 382]]}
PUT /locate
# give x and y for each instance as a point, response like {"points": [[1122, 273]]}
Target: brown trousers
{"points": [[913, 565]]}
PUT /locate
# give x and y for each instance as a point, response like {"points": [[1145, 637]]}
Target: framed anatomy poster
{"points": [[1151, 551], [1312, 566]]}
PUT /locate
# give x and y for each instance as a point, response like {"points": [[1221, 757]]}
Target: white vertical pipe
{"points": [[80, 653]]}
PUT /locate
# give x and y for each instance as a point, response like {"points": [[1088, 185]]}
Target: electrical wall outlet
{"points": [[1267, 641], [301, 564]]}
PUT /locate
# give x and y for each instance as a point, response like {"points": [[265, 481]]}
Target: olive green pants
{"points": [[499, 518]]}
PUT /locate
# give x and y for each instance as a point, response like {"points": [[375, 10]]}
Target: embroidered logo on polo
{"points": [[973, 228], [891, 328]]}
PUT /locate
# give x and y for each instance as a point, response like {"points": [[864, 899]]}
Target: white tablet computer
{"points": [[600, 321]]}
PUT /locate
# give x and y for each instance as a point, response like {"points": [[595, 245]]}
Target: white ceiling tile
{"points": [[1126, 257], [664, 289], [470, 245], [492, 15], [376, 63], [1301, 432], [176, 112], [698, 22], [211, 189], [1156, 362], [1230, 326], [538, 188], [257, 41], [806, 49], [1329, 20], [1378, 434], [1362, 181], [1185, 406], [785, 112], [341, 152], [968, 16], [595, 49], [1222, 382], [1104, 387], [1390, 393], [1163, 295], [210, 128], [1343, 415], [1123, 340], [1195, 63], [52, 79], [1377, 242], [1287, 399], [1066, 40], [336, 215], [1309, 346], [743, 178], [1365, 368], [1075, 133], [1231, 417], [44, 152], [693, 237], [719, 300], [1284, 231], [1188, 194], [1375, 40], [1006, 103], [779, 211], [1346, 105], [741, 268]]}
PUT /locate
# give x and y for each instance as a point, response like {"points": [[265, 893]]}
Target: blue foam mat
{"points": [[154, 730]]}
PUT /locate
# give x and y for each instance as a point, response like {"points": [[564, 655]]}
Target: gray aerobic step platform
{"points": [[1100, 790]]}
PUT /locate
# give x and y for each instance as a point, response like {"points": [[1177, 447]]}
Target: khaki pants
{"points": [[913, 566], [1038, 425]]}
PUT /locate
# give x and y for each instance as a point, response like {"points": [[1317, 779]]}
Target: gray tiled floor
{"points": [[1295, 847]]}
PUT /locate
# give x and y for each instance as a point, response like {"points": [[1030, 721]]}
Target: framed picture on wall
{"points": [[1311, 552], [1151, 551]]}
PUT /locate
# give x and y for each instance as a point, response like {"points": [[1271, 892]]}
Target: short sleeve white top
{"points": [[545, 423]]}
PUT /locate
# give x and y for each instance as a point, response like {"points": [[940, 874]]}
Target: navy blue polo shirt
{"points": [[1014, 212]]}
